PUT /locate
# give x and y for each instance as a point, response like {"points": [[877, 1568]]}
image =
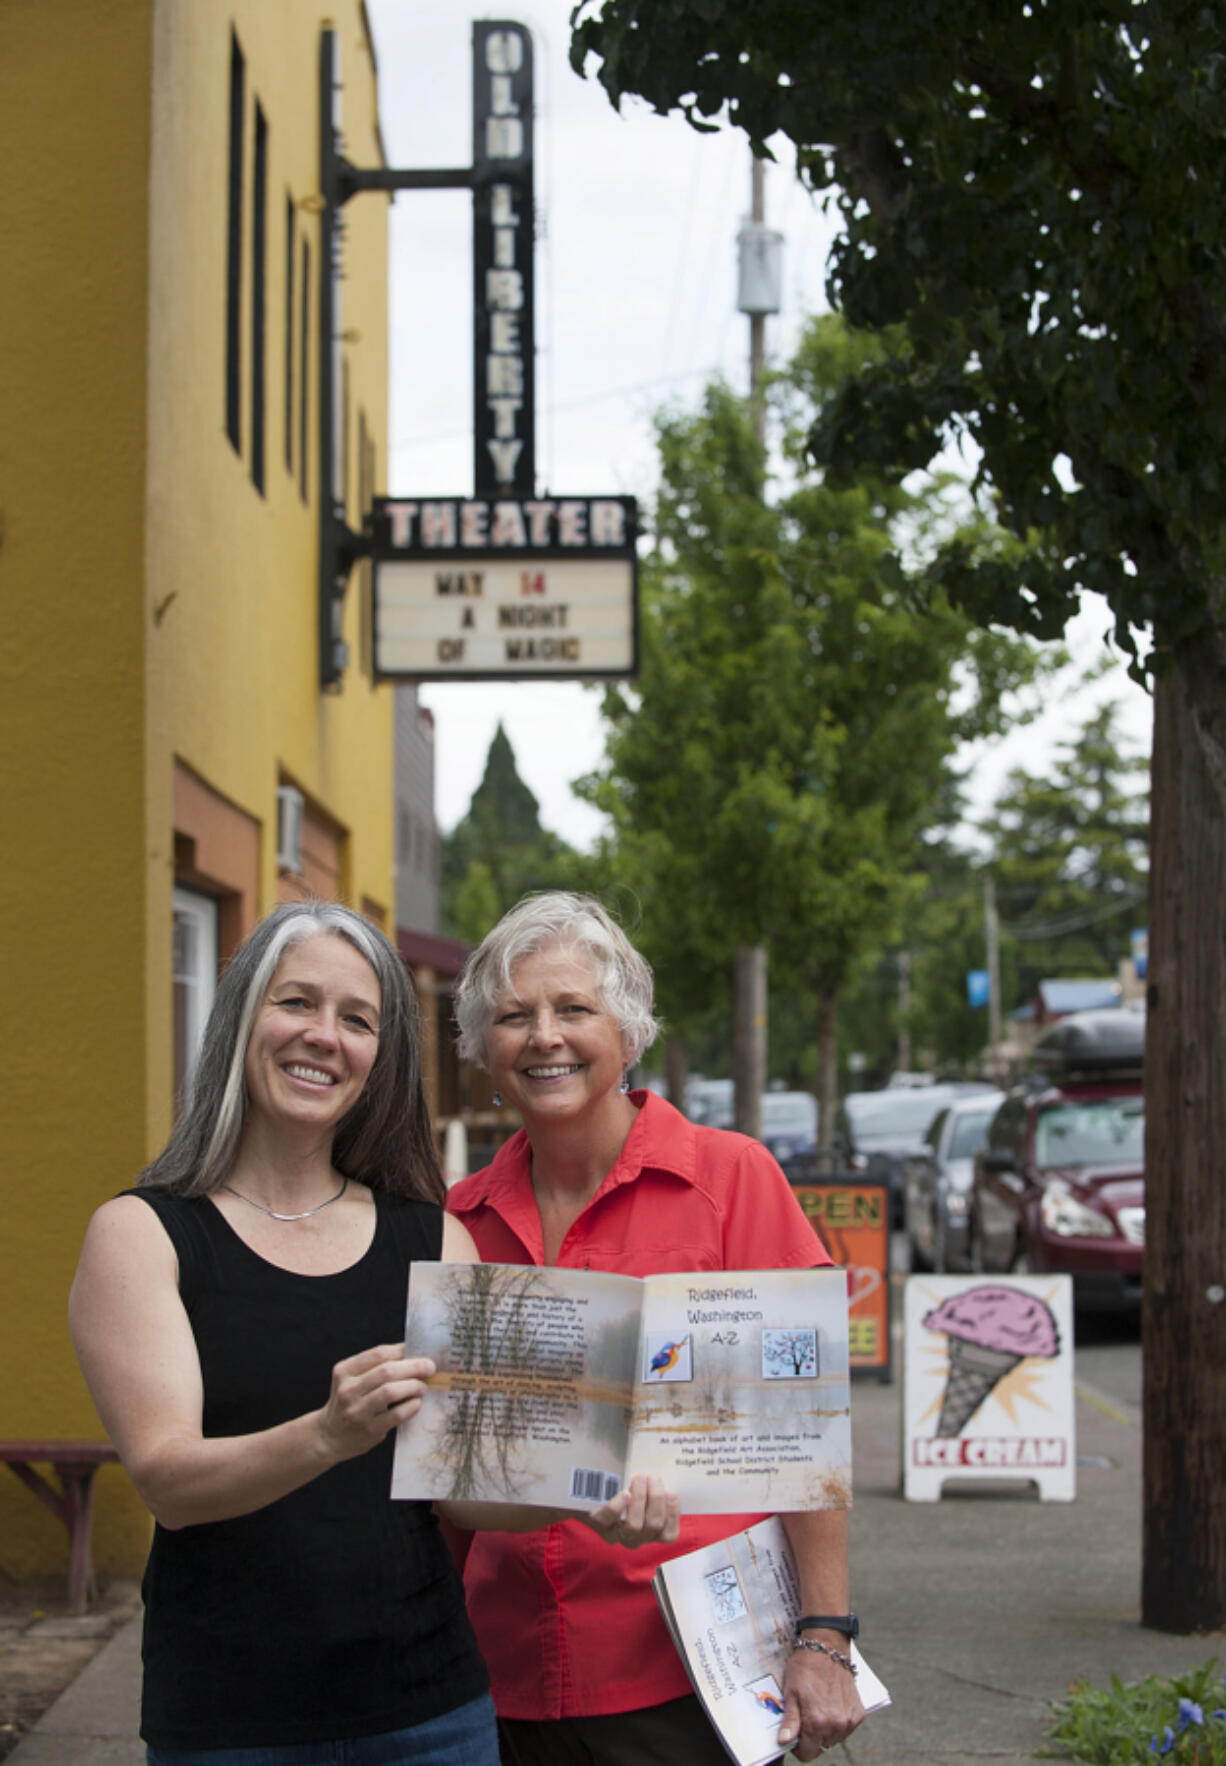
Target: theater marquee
{"points": [[518, 588]]}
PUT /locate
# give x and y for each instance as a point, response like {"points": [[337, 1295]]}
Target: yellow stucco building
{"points": [[169, 763]]}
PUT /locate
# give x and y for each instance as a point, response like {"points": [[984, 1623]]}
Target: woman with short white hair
{"points": [[557, 1004]]}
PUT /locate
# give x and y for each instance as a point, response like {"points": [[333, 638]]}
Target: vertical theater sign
{"points": [[508, 582], [504, 340]]}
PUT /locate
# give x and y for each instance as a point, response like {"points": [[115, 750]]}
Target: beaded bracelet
{"points": [[824, 1649]]}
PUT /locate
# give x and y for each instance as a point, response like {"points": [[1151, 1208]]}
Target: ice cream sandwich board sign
{"points": [[988, 1383]]}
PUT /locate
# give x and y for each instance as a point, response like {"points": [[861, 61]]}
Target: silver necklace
{"points": [[272, 1213]]}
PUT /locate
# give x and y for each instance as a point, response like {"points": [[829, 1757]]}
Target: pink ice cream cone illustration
{"points": [[990, 1329]]}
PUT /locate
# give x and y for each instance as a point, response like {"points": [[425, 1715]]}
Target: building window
{"points": [[291, 244], [344, 437], [234, 248], [304, 357], [366, 647], [194, 978], [259, 289]]}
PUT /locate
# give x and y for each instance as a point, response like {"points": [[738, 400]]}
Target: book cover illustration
{"points": [[556, 1386], [730, 1609]]}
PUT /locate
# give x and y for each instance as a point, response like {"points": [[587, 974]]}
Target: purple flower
{"points": [[1220, 1712], [1189, 1712], [1163, 1744]]}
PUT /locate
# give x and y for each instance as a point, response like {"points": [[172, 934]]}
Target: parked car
{"points": [[789, 1124], [1059, 1184], [789, 1118], [937, 1182], [709, 1101], [879, 1131]]}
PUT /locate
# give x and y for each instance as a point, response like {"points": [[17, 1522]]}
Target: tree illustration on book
{"points": [[494, 1332]]}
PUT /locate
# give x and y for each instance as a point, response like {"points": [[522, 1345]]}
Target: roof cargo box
{"points": [[1105, 1042]]}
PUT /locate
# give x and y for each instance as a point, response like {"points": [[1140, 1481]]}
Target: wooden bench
{"points": [[74, 1463]]}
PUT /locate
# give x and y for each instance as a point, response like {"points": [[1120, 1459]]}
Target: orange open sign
{"points": [[853, 1222]]}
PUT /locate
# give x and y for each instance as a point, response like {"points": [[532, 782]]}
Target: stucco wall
{"points": [[74, 137], [231, 586], [160, 613]]}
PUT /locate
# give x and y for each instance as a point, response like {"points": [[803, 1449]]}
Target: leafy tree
{"points": [[942, 938], [1032, 206], [1067, 852], [1070, 855], [655, 887], [792, 723], [499, 850]]}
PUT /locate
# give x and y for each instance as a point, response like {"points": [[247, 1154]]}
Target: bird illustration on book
{"points": [[665, 1358], [768, 1700]]}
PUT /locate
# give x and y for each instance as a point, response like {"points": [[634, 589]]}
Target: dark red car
{"points": [[1060, 1182]]}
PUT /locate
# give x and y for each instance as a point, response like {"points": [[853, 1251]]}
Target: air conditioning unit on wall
{"points": [[291, 806]]}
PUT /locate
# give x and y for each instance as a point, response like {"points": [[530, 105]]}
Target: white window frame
{"points": [[200, 912]]}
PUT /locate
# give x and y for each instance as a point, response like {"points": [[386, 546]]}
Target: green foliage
{"points": [[472, 905], [946, 937], [1033, 222], [1181, 1720], [791, 731], [1067, 851], [499, 850], [1070, 851]]}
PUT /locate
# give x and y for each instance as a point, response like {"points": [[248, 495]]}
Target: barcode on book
{"points": [[593, 1486]]}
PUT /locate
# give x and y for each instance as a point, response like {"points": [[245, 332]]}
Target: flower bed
{"points": [[1181, 1720]]}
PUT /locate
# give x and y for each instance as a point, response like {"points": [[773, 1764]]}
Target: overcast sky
{"points": [[636, 308]]}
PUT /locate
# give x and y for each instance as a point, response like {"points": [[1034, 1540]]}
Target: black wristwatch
{"points": [[847, 1623]]}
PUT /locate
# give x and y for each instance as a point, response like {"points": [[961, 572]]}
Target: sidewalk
{"points": [[977, 1611]]}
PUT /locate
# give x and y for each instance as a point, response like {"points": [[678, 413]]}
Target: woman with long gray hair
{"points": [[239, 1319]]}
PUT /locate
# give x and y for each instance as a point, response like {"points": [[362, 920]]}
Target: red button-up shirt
{"points": [[568, 1625]]}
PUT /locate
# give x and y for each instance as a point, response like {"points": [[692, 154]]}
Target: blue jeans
{"points": [[464, 1737]]}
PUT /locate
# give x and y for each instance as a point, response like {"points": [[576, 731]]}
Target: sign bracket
{"points": [[505, 580], [341, 546]]}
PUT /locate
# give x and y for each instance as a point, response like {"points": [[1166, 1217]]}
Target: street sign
{"points": [[519, 588], [978, 987], [1139, 939]]}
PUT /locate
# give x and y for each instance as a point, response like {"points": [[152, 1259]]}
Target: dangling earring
{"points": [[498, 1100], [625, 1083]]}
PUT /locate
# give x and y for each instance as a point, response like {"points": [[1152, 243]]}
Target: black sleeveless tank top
{"points": [[333, 1612]]}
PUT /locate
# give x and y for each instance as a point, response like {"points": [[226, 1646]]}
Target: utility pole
{"points": [[904, 1008], [757, 314], [758, 295], [992, 925]]}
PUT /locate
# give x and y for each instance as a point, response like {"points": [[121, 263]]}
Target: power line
{"points": [[1076, 922], [593, 398]]}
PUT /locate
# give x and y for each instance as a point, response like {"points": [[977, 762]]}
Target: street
{"points": [[1107, 1362]]}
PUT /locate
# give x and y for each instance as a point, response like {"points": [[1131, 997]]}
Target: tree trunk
{"points": [[1183, 1584], [827, 1075], [903, 1058], [676, 1069], [749, 1036]]}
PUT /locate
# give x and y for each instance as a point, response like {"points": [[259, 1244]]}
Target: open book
{"points": [[555, 1387], [731, 1610]]}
